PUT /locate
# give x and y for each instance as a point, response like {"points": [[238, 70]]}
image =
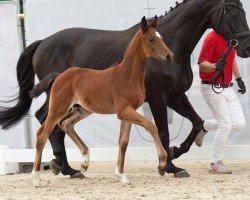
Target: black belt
{"points": [[219, 85]]}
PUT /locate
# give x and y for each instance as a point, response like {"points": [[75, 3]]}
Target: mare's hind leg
{"points": [[123, 143], [67, 125], [129, 114]]}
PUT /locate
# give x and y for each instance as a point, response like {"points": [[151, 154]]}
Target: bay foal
{"points": [[117, 90]]}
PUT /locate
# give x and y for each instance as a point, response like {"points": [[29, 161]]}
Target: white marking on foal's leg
{"points": [[123, 177], [36, 178], [85, 163], [157, 34]]}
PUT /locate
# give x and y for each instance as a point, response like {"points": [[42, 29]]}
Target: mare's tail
{"points": [[43, 86], [10, 116]]}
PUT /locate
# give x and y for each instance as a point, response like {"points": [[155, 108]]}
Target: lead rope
{"points": [[220, 74]]}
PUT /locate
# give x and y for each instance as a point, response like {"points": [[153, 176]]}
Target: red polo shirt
{"points": [[213, 47]]}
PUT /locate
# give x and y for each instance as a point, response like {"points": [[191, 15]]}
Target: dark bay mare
{"points": [[181, 29]]}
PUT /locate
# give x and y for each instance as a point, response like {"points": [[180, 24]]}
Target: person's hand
{"points": [[241, 85], [220, 65]]}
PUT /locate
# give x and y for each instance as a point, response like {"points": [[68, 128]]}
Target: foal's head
{"points": [[152, 41]]}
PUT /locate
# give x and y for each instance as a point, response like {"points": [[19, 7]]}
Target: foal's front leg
{"points": [[129, 114], [123, 143]]}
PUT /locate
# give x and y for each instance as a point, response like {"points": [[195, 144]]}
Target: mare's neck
{"points": [[134, 63], [183, 27]]}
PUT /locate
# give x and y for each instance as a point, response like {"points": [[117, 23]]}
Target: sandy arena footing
{"points": [[146, 184]]}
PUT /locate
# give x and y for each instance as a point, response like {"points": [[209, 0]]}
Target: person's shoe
{"points": [[199, 138], [219, 168]]}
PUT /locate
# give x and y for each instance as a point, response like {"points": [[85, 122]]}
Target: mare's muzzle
{"points": [[169, 59]]}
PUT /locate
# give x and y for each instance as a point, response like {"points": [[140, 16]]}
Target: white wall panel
{"points": [[45, 17], [8, 58]]}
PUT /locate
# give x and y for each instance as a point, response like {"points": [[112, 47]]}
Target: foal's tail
{"points": [[43, 86], [10, 116]]}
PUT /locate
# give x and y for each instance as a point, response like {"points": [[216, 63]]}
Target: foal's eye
{"points": [[151, 39]]}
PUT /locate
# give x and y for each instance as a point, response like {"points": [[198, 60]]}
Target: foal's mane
{"points": [[132, 46]]}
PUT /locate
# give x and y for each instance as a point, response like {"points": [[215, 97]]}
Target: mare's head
{"points": [[152, 42], [229, 20]]}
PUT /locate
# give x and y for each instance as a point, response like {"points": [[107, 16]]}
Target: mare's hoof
{"points": [[77, 175], [181, 174], [161, 171], [55, 167]]}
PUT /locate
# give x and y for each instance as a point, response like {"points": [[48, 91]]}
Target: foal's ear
{"points": [[155, 22], [144, 24]]}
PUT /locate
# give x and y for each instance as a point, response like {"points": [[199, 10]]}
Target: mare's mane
{"points": [[174, 8]]}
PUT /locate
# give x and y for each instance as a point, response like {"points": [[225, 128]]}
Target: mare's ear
{"points": [[155, 22], [144, 24]]}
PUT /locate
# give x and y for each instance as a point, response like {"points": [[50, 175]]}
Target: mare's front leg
{"points": [[185, 109], [56, 138], [158, 106], [129, 114], [123, 143]]}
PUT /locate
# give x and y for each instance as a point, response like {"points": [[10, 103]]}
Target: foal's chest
{"points": [[137, 95]]}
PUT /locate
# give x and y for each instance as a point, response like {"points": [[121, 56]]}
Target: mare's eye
{"points": [[151, 39]]}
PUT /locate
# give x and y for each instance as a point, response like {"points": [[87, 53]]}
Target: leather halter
{"points": [[233, 43], [225, 12]]}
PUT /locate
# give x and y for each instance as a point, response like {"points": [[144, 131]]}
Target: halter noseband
{"points": [[225, 12]]}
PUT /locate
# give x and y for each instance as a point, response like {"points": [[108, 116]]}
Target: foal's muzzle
{"points": [[168, 57]]}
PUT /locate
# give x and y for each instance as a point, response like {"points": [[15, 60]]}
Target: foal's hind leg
{"points": [[57, 109], [129, 114], [56, 138], [123, 143], [42, 136], [67, 125]]}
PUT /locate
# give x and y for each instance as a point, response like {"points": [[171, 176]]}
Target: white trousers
{"points": [[228, 115]]}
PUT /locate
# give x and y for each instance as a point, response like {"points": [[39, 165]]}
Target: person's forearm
{"points": [[207, 67], [236, 72]]}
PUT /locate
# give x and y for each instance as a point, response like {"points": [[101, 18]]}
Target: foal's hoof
{"points": [[84, 167], [161, 171], [36, 179], [77, 175], [123, 178], [181, 174], [85, 163], [55, 167]]}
